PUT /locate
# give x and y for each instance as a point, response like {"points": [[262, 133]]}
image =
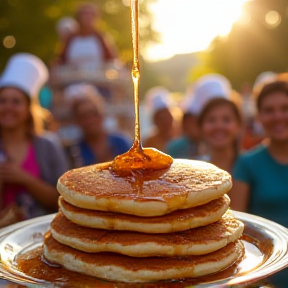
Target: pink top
{"points": [[13, 191]]}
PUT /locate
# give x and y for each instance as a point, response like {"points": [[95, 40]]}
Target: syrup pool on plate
{"points": [[32, 264], [265, 249]]}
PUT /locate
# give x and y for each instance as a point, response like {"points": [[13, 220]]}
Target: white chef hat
{"points": [[206, 88], [75, 94], [78, 91], [26, 72], [263, 79], [158, 98], [67, 25]]}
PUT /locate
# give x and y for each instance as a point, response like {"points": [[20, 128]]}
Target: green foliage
{"points": [[32, 23]]}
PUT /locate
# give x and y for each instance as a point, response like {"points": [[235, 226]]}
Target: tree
{"points": [[260, 43], [32, 24]]}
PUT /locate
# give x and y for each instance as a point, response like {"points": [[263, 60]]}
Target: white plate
{"points": [[265, 246]]}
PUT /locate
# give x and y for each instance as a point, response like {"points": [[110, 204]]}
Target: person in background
{"points": [[260, 177], [253, 133], [95, 145], [87, 48], [220, 124], [159, 103], [30, 164], [66, 27], [69, 132], [205, 88], [248, 104], [187, 145]]}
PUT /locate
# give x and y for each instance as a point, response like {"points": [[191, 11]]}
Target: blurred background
{"points": [[180, 42], [188, 37]]}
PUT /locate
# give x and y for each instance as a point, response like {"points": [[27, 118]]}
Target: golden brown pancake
{"points": [[176, 221], [196, 241], [185, 184], [117, 267]]}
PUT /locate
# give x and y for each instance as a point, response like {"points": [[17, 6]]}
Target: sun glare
{"points": [[190, 25]]}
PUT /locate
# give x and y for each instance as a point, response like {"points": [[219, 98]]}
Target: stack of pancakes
{"points": [[141, 227]]}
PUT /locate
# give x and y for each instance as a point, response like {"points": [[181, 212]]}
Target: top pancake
{"points": [[185, 184]]}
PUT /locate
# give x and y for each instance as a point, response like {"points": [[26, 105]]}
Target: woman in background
{"points": [[87, 48], [261, 176], [220, 124], [96, 145], [196, 110], [30, 164]]}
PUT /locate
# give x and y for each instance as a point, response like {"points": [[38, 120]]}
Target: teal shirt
{"points": [[182, 148], [268, 181]]}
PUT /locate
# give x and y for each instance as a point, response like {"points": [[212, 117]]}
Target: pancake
{"points": [[185, 184], [117, 267], [197, 241], [176, 221]]}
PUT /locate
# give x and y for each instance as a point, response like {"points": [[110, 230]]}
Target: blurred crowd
{"points": [[41, 137]]}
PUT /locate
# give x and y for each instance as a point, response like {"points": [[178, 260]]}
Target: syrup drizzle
{"points": [[138, 158], [136, 69]]}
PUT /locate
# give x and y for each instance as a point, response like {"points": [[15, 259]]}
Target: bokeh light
{"points": [[126, 2], [272, 19], [111, 7], [9, 42]]}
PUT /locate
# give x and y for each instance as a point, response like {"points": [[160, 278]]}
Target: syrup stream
{"points": [[136, 69], [138, 158]]}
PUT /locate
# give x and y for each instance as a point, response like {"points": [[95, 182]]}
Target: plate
{"points": [[265, 246]]}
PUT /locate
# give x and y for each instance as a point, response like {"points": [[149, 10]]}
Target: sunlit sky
{"points": [[190, 25]]}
